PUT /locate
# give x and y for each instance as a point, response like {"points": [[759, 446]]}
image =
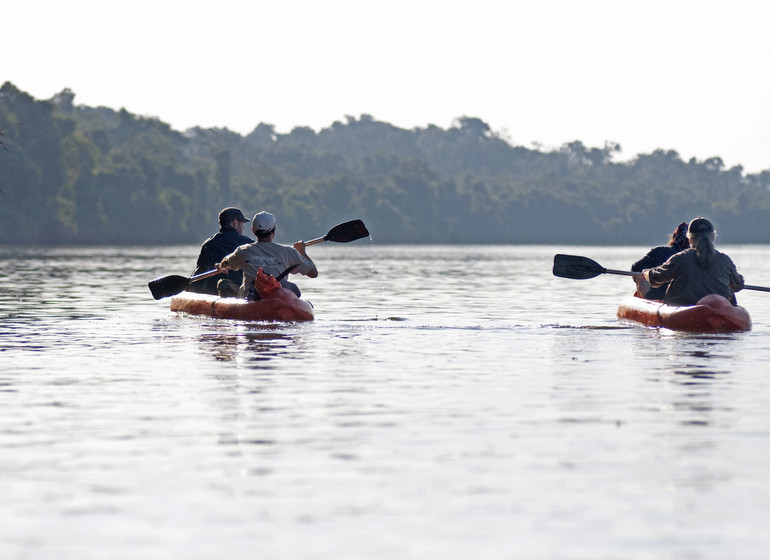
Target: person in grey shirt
{"points": [[271, 257], [698, 271]]}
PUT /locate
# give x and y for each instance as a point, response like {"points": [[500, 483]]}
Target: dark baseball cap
{"points": [[700, 225], [231, 213]]}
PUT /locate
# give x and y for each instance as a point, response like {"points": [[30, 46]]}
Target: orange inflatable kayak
{"points": [[279, 305], [712, 314]]}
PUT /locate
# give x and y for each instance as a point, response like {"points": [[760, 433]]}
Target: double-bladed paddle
{"points": [[171, 285], [582, 268]]}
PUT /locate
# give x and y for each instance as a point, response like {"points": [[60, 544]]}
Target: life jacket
{"points": [[265, 283]]}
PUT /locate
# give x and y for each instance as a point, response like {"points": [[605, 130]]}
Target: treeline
{"points": [[71, 174]]}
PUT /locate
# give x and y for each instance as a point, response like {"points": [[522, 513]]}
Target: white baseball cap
{"points": [[263, 221]]}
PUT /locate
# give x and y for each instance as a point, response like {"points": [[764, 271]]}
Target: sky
{"points": [[682, 75]]}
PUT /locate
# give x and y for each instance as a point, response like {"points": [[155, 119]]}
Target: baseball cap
{"points": [[231, 213], [263, 221], [700, 225]]}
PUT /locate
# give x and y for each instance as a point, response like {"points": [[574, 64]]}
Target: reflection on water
{"points": [[704, 360], [261, 345], [460, 400]]}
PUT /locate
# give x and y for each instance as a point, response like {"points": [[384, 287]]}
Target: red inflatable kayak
{"points": [[279, 305], [712, 314]]}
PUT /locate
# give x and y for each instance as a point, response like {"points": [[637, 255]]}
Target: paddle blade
{"points": [[578, 268], [349, 231], [168, 286]]}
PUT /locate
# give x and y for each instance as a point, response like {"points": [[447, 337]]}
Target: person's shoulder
{"points": [[210, 240], [654, 257], [232, 234], [723, 256], [690, 253], [676, 257], [662, 251], [246, 246], [287, 248]]}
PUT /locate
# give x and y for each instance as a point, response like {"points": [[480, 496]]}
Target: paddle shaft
{"points": [[624, 273], [571, 266], [640, 275], [314, 241], [214, 272], [174, 284], [203, 275], [757, 288]]}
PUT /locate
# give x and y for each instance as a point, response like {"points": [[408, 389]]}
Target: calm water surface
{"points": [[447, 402]]}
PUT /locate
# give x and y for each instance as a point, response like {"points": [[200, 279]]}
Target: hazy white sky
{"points": [[691, 76]]}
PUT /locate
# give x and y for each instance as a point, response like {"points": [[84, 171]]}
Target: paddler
{"points": [[271, 257], [698, 271], [213, 250], [656, 257]]}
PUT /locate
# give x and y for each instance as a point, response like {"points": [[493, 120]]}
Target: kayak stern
{"points": [[712, 314]]}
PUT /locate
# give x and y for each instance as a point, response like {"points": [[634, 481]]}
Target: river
{"points": [[448, 402]]}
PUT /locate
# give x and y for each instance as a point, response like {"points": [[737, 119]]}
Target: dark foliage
{"points": [[76, 174]]}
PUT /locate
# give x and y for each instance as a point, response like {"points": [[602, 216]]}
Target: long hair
{"points": [[701, 235], [679, 239]]}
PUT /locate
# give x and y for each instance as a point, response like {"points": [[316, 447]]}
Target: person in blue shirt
{"points": [[656, 257], [225, 241]]}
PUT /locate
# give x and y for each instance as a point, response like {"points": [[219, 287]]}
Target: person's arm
{"points": [[300, 248], [662, 274], [230, 262], [736, 280]]}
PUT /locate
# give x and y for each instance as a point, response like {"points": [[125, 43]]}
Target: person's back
{"points": [[271, 257], [691, 282], [697, 272], [214, 249]]}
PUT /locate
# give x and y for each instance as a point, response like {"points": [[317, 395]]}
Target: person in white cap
{"points": [[224, 242], [271, 257]]}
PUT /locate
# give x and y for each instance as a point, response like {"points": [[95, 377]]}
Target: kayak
{"points": [[279, 305], [712, 314]]}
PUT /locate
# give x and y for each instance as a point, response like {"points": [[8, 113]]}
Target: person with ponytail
{"points": [[698, 271]]}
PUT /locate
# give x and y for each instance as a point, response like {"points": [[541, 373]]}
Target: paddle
{"points": [[171, 285], [581, 268]]}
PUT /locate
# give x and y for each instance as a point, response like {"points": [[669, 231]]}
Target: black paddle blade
{"points": [[578, 268], [168, 286], [349, 231]]}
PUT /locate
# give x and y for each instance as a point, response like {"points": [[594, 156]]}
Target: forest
{"points": [[72, 174]]}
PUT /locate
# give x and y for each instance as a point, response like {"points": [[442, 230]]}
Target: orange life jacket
{"points": [[265, 283]]}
